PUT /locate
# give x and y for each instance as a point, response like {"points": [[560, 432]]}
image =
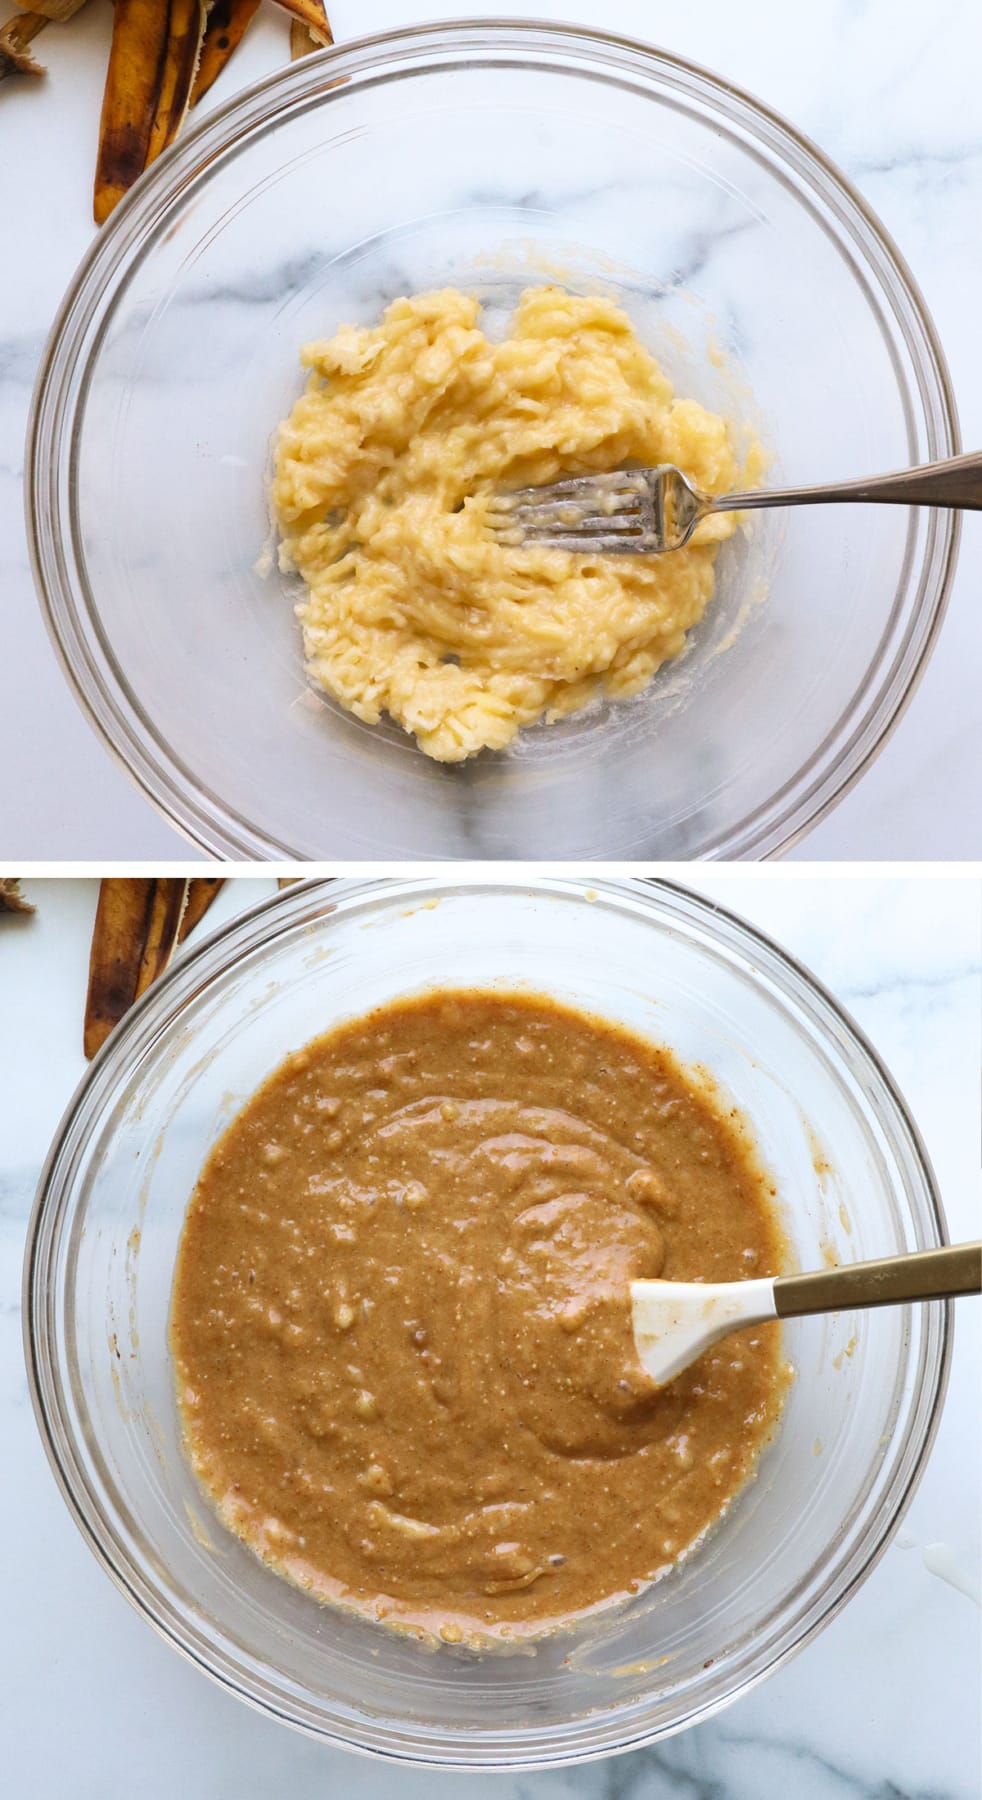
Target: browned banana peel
{"points": [[301, 42], [11, 898], [200, 896], [310, 13], [23, 28], [302, 39], [15, 36], [187, 30], [59, 10], [228, 21], [152, 63], [136, 928]]}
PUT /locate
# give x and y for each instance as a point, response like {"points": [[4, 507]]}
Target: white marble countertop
{"points": [[887, 87], [884, 1705]]}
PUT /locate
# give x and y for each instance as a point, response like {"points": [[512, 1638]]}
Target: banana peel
{"points": [[302, 40], [152, 64], [201, 893], [228, 21], [137, 925], [16, 37], [187, 30], [11, 898], [19, 33], [165, 55], [311, 14], [58, 10]]}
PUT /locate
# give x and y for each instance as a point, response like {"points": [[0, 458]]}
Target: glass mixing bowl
{"points": [[853, 1180], [488, 156]]}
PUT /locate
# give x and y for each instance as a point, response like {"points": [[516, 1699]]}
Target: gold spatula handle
{"points": [[924, 1275]]}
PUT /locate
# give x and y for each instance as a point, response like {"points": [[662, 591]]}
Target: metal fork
{"points": [[643, 512]]}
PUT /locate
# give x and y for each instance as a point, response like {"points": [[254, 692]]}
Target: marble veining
{"points": [[889, 91], [882, 1705]]}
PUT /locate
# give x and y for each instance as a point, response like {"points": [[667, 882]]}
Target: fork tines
{"points": [[623, 488], [581, 512]]}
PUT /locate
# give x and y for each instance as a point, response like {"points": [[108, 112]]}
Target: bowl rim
{"points": [[160, 1009], [66, 367]]}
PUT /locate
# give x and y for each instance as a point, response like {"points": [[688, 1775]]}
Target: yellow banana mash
{"points": [[383, 472]]}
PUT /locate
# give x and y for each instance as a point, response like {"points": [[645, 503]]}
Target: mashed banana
{"points": [[383, 472]]}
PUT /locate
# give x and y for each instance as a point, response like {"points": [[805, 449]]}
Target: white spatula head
{"points": [[675, 1321]]}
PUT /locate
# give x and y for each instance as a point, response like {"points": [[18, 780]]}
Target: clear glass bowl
{"points": [[490, 156], [853, 1180]]}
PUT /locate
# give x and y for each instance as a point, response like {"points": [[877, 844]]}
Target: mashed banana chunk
{"points": [[383, 472]]}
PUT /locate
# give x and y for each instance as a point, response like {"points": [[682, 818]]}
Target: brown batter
{"points": [[401, 1320]]}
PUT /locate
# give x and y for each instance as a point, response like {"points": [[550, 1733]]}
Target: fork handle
{"points": [[923, 1275], [955, 483]]}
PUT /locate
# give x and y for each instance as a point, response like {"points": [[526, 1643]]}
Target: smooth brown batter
{"points": [[401, 1320]]}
